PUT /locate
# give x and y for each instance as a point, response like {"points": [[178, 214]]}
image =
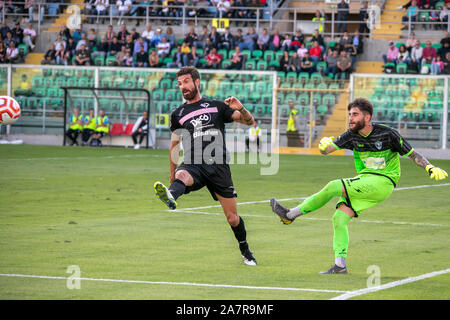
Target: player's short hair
{"points": [[362, 104], [189, 70]]}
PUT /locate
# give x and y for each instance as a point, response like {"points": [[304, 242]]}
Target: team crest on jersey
{"points": [[204, 105], [378, 145]]}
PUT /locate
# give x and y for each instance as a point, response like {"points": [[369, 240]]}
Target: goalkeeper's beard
{"points": [[357, 126]]}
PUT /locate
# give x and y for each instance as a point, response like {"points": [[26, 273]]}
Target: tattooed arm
{"points": [[418, 159], [240, 114]]}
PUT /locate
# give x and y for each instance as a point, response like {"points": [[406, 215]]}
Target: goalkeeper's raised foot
{"points": [[164, 195], [280, 211]]}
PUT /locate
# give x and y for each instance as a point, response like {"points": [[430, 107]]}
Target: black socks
{"points": [[177, 188], [241, 235]]}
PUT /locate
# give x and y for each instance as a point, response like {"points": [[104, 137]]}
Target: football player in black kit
{"points": [[200, 124]]}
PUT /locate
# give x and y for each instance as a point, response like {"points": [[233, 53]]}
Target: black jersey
{"points": [[201, 126], [378, 152]]}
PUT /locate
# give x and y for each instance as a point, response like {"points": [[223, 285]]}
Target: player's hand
{"points": [[233, 103], [325, 143], [436, 173]]}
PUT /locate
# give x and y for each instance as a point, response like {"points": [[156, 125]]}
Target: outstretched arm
{"points": [[240, 114], [326, 145], [434, 172]]}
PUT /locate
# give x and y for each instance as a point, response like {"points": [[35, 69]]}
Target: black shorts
{"points": [[216, 177]]}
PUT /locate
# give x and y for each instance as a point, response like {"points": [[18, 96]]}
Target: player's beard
{"points": [[190, 94], [357, 126]]}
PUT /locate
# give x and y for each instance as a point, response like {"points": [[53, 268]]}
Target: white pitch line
{"points": [[389, 285], [174, 283]]}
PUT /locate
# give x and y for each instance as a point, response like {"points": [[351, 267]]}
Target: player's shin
{"points": [[340, 238], [177, 188], [241, 234], [317, 200]]}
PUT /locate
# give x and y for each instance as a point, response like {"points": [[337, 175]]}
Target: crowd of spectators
{"points": [[418, 58], [431, 14], [15, 42]]}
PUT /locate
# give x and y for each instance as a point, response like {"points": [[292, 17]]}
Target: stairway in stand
{"points": [[390, 26]]}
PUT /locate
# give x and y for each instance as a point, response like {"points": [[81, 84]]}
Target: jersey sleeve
{"points": [[400, 145], [344, 141], [174, 124], [226, 111]]}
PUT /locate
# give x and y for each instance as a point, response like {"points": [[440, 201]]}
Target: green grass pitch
{"points": [[95, 208]]}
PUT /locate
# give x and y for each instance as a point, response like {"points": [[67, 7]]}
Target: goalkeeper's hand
{"points": [[325, 143], [436, 173]]}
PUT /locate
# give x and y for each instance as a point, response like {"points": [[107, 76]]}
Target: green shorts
{"points": [[364, 191]]}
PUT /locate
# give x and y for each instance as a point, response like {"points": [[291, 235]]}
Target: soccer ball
{"points": [[9, 110]]}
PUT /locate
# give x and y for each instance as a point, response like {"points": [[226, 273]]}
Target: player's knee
{"points": [[184, 176], [233, 219], [334, 188], [340, 219]]}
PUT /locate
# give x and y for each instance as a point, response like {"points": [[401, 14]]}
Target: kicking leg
{"points": [[178, 186], [229, 206]]}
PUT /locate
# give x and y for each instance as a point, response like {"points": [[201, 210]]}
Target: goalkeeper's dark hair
{"points": [[189, 70], [362, 104]]}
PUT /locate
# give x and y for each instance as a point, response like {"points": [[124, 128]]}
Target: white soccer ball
{"points": [[9, 110]]}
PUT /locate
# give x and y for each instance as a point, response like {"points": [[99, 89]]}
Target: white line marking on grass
{"points": [[175, 283], [87, 158], [389, 285], [423, 186]]}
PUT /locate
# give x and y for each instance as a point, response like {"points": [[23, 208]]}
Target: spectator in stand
{"points": [[82, 42], [123, 8], [236, 59], [249, 40], [100, 6], [129, 44], [363, 17], [4, 29], [128, 59], [294, 64], [315, 52], [411, 42], [50, 55], [297, 39], [78, 33], [403, 55], [29, 36], [120, 56], [70, 47], [446, 38], [307, 64], [416, 56], [284, 62], [344, 66], [191, 37], [392, 54], [213, 59], [171, 37], [201, 39], [443, 50], [345, 40], [318, 37], [429, 53], [177, 59], [275, 41], [8, 39], [262, 42], [222, 8], [241, 13], [352, 53], [2, 53], [148, 35], [226, 40], [140, 129], [17, 34], [342, 16], [319, 21], [62, 56], [446, 63], [185, 49], [12, 54], [191, 58], [302, 50], [59, 43], [91, 39], [214, 37], [238, 37], [412, 13], [437, 65], [285, 45], [157, 37], [153, 60], [122, 34], [65, 33], [134, 35], [83, 57], [140, 43], [443, 18], [141, 58], [332, 64], [114, 47], [110, 34], [208, 46], [231, 13], [89, 11], [358, 42], [163, 48]]}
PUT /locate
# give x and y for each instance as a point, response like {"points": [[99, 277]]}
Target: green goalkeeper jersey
{"points": [[378, 152]]}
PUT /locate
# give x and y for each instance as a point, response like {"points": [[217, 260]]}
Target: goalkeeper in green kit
{"points": [[376, 150]]}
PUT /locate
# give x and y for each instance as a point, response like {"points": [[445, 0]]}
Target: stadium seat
{"points": [[269, 56], [116, 129], [128, 129]]}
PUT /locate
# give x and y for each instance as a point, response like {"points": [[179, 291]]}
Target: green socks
{"points": [[340, 239]]}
